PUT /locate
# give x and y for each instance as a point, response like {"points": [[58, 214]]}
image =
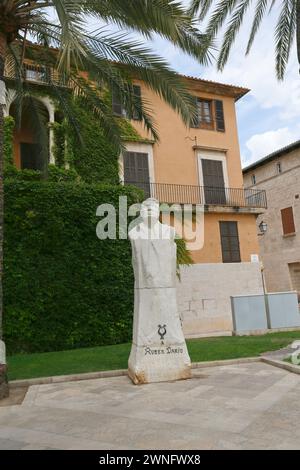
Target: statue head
{"points": [[150, 210]]}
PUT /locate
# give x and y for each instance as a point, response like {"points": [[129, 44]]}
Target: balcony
{"points": [[37, 74], [229, 199]]}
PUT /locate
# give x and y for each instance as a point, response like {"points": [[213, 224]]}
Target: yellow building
{"points": [[201, 166]]}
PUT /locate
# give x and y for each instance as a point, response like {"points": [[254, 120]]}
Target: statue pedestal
{"points": [[158, 351]]}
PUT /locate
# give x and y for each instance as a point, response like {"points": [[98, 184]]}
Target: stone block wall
{"points": [[204, 292]]}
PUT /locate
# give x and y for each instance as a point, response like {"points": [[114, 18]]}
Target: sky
{"points": [[268, 117]]}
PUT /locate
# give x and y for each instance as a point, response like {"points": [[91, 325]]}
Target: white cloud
{"points": [[257, 72], [260, 145]]}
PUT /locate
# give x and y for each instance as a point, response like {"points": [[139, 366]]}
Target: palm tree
{"points": [[287, 29], [70, 47]]}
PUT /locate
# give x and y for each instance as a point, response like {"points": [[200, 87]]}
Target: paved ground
{"points": [[246, 406]]}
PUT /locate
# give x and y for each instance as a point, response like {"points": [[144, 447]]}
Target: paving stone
{"points": [[242, 406]]}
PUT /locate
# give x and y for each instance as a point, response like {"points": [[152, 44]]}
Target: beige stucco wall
{"points": [[175, 160], [174, 157], [204, 291], [278, 251], [212, 252]]}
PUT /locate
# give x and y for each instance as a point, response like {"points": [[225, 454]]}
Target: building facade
{"points": [[199, 166], [279, 175]]}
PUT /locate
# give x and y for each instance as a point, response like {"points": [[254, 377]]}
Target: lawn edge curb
{"points": [[281, 364], [117, 373]]}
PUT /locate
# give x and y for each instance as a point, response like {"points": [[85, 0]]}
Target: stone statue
{"points": [[159, 351]]}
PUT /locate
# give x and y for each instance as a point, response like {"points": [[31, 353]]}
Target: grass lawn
{"points": [[24, 366]]}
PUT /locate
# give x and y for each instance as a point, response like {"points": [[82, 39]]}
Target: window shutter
{"points": [[219, 112], [117, 106], [137, 93], [195, 120], [230, 242], [288, 223]]}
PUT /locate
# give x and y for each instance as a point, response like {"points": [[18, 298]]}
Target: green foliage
{"points": [[55, 174], [129, 133], [59, 149], [58, 174], [63, 287], [183, 255], [9, 125], [93, 157]]}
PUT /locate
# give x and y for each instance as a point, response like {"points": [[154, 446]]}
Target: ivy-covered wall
{"points": [[9, 125], [63, 287], [93, 157]]}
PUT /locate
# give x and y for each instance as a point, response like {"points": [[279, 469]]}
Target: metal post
{"points": [[265, 296]]}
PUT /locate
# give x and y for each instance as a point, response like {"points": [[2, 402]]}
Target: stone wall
{"points": [[204, 292], [280, 253]]}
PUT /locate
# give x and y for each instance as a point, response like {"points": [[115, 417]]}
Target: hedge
{"points": [[63, 287], [9, 125]]}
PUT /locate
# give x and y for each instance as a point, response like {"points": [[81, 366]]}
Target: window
{"points": [[136, 170], [230, 242], [137, 94], [288, 223], [278, 168], [213, 180], [36, 74], [253, 179], [31, 157], [210, 115], [118, 104], [219, 112]]}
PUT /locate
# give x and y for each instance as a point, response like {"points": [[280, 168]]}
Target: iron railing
{"points": [[37, 74], [189, 194]]}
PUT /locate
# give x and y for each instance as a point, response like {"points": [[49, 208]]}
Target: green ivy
{"points": [[55, 174], [93, 157], [63, 287], [9, 125], [129, 133]]}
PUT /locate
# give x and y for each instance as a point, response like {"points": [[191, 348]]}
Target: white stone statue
{"points": [[159, 351]]}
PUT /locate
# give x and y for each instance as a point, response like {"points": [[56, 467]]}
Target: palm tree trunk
{"points": [[3, 376], [298, 31]]}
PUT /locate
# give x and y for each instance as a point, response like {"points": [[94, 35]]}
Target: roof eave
{"points": [[272, 156]]}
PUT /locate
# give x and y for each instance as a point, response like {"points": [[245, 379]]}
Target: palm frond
{"points": [[71, 22], [219, 15], [144, 65], [260, 11], [200, 6], [284, 35], [167, 18], [231, 32]]}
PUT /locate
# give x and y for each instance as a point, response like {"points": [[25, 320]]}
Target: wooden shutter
{"points": [[136, 170], [137, 93], [219, 115], [195, 121], [288, 223], [230, 242], [117, 105], [213, 180]]}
